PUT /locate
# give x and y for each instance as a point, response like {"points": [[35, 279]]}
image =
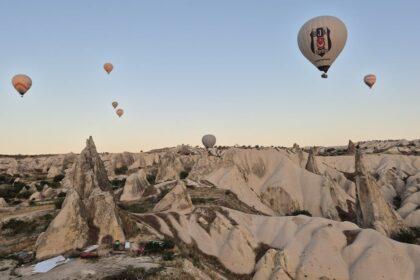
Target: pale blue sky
{"points": [[188, 67]]}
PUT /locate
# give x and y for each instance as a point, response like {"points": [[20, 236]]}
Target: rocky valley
{"points": [[346, 212]]}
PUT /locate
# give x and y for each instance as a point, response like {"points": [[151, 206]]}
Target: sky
{"points": [[185, 68]]}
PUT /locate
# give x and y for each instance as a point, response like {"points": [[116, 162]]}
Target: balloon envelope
{"points": [[108, 67], [321, 40], [120, 112], [22, 83], [370, 80], [208, 140], [115, 104]]}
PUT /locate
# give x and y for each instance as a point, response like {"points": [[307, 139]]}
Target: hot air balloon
{"points": [[370, 80], [21, 83], [208, 141], [321, 40], [120, 112], [115, 104], [108, 67]]}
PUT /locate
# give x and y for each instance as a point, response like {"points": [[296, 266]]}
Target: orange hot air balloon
{"points": [[120, 112], [370, 80], [115, 104], [21, 83], [108, 67]]}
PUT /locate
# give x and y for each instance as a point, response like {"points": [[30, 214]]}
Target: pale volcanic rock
{"points": [[351, 148], [312, 165], [49, 193], [3, 202], [302, 247], [371, 208], [89, 210], [135, 185], [36, 196], [177, 200]]}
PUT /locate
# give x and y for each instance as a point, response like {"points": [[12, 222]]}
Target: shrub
{"points": [[9, 192], [151, 178], [134, 273], [168, 256], [183, 174], [300, 212], [405, 235], [135, 208], [62, 194], [24, 195], [18, 226], [32, 203], [116, 183], [121, 170], [6, 179], [58, 178], [58, 203], [158, 246]]}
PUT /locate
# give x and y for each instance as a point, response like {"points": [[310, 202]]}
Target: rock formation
{"points": [[312, 165], [299, 152], [135, 185], [371, 208], [351, 148], [3, 202], [88, 212], [177, 200]]}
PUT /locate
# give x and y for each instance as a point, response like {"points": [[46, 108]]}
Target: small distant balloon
{"points": [[108, 67], [208, 141], [321, 40], [120, 112], [22, 83], [115, 104], [370, 80]]}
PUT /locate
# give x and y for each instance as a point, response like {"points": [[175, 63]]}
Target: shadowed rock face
{"points": [[371, 208], [312, 165], [89, 211]]}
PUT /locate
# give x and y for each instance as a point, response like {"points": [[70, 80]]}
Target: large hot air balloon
{"points": [[115, 104], [321, 40], [120, 112], [21, 83], [108, 67], [208, 141], [370, 80]]}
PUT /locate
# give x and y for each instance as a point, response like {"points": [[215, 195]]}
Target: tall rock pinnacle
{"points": [[371, 208], [89, 211], [312, 165], [351, 148]]}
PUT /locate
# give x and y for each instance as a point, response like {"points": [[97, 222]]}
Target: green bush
{"points": [[151, 178], [6, 179], [18, 226], [300, 212], [158, 246], [58, 178], [406, 236], [9, 192], [135, 273], [183, 174], [135, 208], [62, 194], [121, 170], [58, 203], [168, 256], [116, 184], [24, 195]]}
